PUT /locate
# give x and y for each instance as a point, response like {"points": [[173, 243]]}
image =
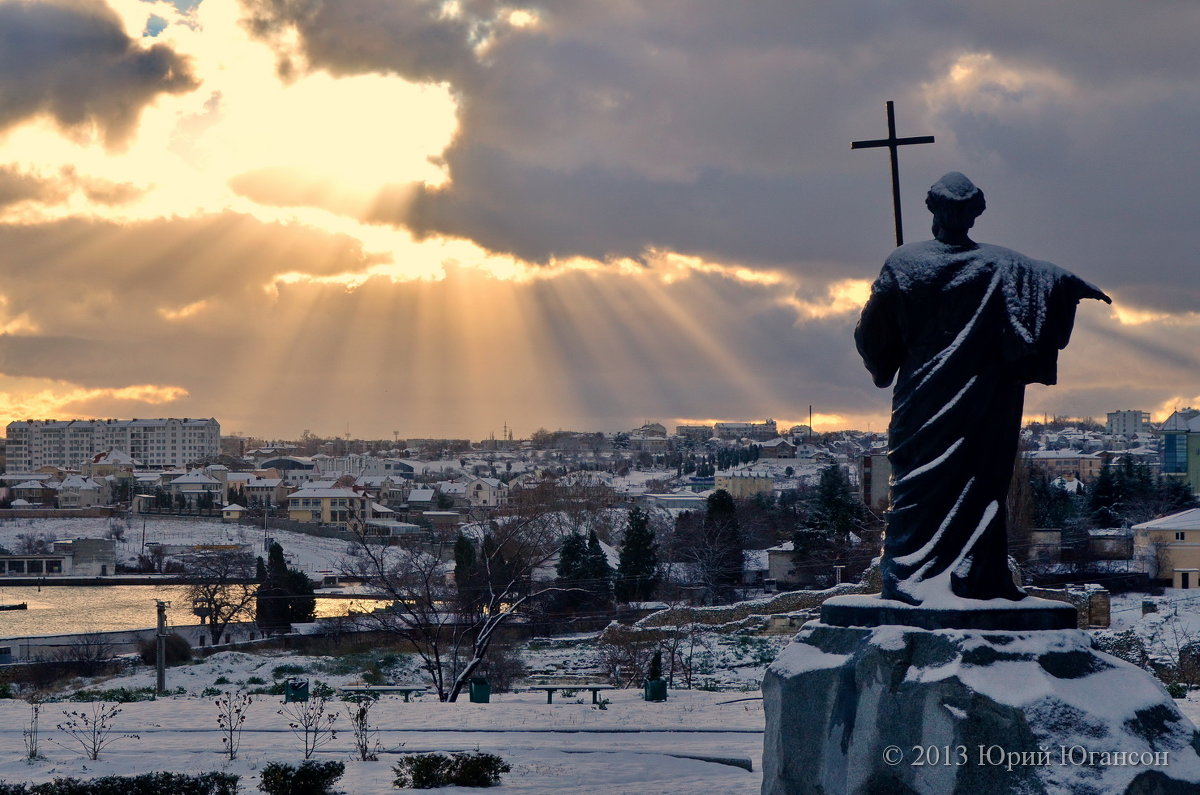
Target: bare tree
{"points": [[222, 588], [92, 728], [311, 722], [451, 624]]}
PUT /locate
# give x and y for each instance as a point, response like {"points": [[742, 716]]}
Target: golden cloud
{"points": [[35, 398]]}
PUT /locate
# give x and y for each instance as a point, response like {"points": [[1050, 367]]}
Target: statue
{"points": [[962, 327]]}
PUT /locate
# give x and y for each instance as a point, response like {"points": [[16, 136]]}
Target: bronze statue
{"points": [[962, 327]]}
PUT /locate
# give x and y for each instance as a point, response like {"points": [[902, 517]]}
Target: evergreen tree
{"points": [[285, 596], [260, 570], [637, 568], [724, 556], [1102, 499], [835, 508], [466, 575], [570, 557], [598, 574], [271, 608], [1177, 495], [571, 571], [301, 603]]}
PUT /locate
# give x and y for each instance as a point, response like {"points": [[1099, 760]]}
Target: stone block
{"points": [[897, 709]]}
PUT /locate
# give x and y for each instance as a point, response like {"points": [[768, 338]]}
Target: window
{"points": [[1180, 535], [1174, 453]]}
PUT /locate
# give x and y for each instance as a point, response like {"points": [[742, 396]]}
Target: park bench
{"points": [[377, 690], [550, 690]]}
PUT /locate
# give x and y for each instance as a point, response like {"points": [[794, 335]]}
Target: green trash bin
{"points": [[295, 690], [480, 690], [655, 690]]}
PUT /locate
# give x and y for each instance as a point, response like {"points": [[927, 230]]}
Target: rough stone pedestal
{"points": [[899, 709]]}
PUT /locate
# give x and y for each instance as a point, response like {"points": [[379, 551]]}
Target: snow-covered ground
{"points": [[631, 746], [305, 552]]}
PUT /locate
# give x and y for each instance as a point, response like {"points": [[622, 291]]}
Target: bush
{"points": [[427, 771], [1177, 690], [145, 784], [177, 650], [272, 690], [121, 695], [287, 669], [310, 778]]}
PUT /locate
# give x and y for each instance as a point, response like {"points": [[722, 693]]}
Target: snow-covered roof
{"points": [[232, 507], [323, 492], [193, 478], [1184, 520], [115, 458], [264, 483], [421, 495], [77, 482]]}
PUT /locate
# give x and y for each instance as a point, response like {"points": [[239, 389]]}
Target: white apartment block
{"points": [[1128, 422], [169, 442]]}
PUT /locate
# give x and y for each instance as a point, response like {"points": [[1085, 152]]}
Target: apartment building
{"points": [[167, 442]]}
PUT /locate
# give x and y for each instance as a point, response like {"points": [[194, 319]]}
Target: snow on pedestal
{"points": [[899, 709]]}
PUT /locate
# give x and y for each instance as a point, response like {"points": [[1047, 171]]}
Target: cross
{"points": [[892, 142]]}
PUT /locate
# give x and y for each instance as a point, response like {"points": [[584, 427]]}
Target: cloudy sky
{"points": [[435, 218]]}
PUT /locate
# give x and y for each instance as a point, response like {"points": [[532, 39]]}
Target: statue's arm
{"points": [[1089, 290], [878, 332]]}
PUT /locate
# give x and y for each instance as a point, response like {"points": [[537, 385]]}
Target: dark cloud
{"points": [[717, 129], [416, 39], [71, 60]]}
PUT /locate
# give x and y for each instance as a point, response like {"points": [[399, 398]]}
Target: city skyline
{"points": [[446, 217]]}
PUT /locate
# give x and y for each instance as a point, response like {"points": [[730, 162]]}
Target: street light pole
{"points": [[160, 640]]}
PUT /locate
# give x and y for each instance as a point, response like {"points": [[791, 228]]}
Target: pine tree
{"points": [[835, 509], [285, 596], [271, 607], [301, 604], [570, 557], [637, 568], [724, 538], [466, 575], [598, 574], [571, 571]]}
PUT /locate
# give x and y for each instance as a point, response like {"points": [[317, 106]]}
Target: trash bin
{"points": [[295, 690], [480, 690], [655, 690]]}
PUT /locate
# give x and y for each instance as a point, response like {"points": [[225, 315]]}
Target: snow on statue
{"points": [[962, 327]]}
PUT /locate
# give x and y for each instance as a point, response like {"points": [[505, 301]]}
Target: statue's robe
{"points": [[962, 330]]}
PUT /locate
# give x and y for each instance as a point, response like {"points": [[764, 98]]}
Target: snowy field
{"points": [[631, 746], [305, 552]]}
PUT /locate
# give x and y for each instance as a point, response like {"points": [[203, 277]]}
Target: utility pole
{"points": [[161, 647]]}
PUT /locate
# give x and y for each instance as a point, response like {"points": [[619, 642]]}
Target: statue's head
{"points": [[955, 203]]}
